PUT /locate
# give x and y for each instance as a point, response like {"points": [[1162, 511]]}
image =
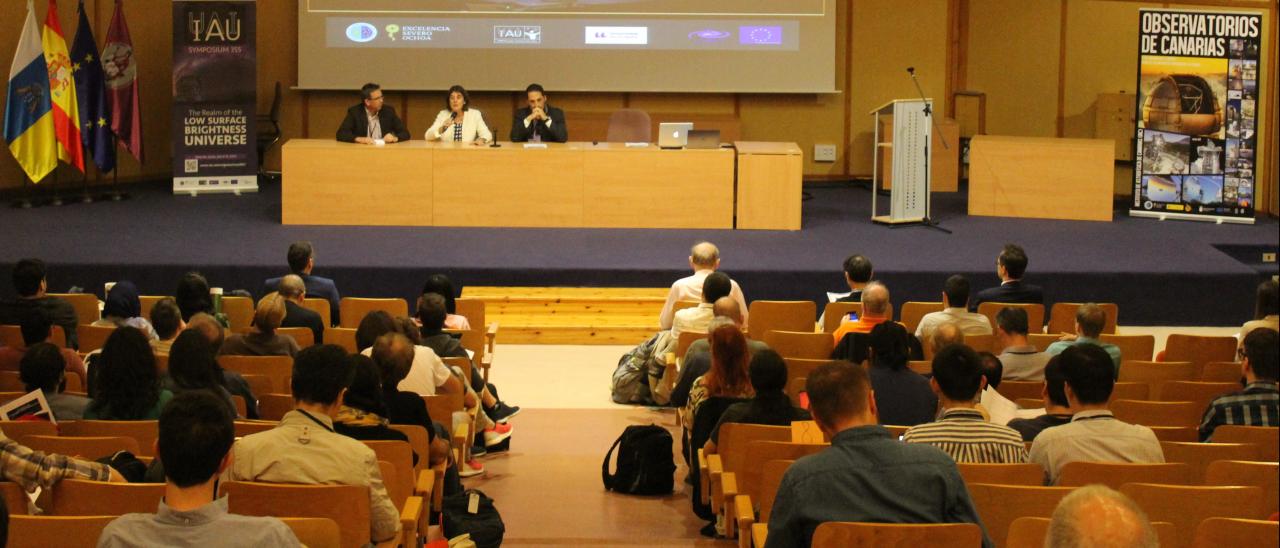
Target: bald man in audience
{"points": [[866, 475], [704, 259], [294, 291], [1090, 321], [944, 335], [876, 308], [697, 359], [1097, 516]]}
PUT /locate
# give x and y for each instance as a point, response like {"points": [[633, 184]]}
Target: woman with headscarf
{"points": [[124, 307]]}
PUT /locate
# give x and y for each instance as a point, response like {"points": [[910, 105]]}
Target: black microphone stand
{"points": [[927, 221]]}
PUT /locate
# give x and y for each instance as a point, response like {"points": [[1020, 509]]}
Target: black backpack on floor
{"points": [[645, 464], [484, 524]]}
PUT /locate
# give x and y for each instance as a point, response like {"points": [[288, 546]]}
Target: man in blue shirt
{"points": [[866, 475], [1090, 320]]}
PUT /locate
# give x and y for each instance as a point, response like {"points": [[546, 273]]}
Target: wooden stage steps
{"points": [[572, 315]]}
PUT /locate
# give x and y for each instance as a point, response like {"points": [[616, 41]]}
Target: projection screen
{"points": [[749, 46]]}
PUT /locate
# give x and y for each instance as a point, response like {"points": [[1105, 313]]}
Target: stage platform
{"points": [[1160, 273]]}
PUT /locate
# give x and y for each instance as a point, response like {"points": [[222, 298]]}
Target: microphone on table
{"points": [[911, 71]]}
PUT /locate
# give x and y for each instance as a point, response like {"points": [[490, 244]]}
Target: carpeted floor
{"points": [[1165, 273]]}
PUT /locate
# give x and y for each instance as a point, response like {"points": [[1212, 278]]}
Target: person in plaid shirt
{"points": [[1259, 403], [30, 468]]}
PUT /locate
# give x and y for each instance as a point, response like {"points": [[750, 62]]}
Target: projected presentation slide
{"points": [[606, 45]]}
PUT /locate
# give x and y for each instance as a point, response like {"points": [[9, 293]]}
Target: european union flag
{"points": [[91, 94]]}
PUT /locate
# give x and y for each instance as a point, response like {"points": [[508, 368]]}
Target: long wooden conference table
{"points": [[418, 183]]}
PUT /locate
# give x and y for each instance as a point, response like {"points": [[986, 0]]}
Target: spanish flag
{"points": [[62, 87], [28, 113]]}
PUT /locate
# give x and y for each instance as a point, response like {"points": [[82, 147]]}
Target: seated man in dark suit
{"points": [[1010, 266], [370, 121], [294, 291], [866, 475], [302, 259], [857, 273], [538, 122], [30, 284]]}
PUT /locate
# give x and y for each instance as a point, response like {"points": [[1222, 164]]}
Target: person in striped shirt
{"points": [[960, 430], [1259, 403]]}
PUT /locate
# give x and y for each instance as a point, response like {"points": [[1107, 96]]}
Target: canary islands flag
{"points": [[62, 91], [28, 113]]}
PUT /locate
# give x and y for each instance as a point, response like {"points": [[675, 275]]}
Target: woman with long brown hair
{"points": [[728, 376]]}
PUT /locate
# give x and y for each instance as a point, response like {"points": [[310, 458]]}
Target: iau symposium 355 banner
{"points": [[214, 97], [1198, 94]]}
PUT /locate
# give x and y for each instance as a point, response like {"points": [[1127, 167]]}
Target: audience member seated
{"points": [[193, 297], [903, 397], [213, 332], [263, 340], [195, 438], [866, 475], [1011, 264], [1090, 320], [31, 469], [431, 315], [857, 274], [961, 431], [728, 376], [294, 292], [44, 368], [876, 308], [1022, 362], [1093, 434], [124, 307], [363, 413], [1057, 411], [428, 375], [193, 365], [955, 302], [696, 319], [1266, 309], [30, 284], [1259, 403], [991, 403], [36, 328], [770, 405], [302, 259], [697, 359], [704, 258], [127, 383], [166, 319], [304, 448], [442, 285], [1096, 515], [393, 354], [944, 335]]}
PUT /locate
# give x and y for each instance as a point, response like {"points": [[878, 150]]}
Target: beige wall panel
{"points": [[1013, 58], [1095, 65], [703, 103], [804, 119], [888, 37]]}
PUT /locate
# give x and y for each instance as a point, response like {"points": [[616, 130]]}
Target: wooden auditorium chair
{"points": [[740, 487], [341, 336], [1221, 372], [1062, 317], [315, 532], [914, 311], [1265, 475], [1220, 531], [92, 337], [768, 316], [1201, 393], [239, 311], [836, 312], [145, 432], [272, 407], [62, 531], [1186, 506], [1131, 391], [836, 534], [731, 451], [1031, 532], [797, 344], [1267, 438], [1199, 349], [73, 497], [1023, 473], [1200, 455], [277, 368], [321, 307], [770, 480], [354, 309], [1157, 413], [1157, 373], [1132, 347], [346, 505], [999, 505], [1115, 474]]}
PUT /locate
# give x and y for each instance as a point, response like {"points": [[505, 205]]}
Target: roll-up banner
{"points": [[214, 97], [1198, 96]]}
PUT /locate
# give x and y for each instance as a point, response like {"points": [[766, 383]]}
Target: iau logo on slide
{"points": [[361, 32]]}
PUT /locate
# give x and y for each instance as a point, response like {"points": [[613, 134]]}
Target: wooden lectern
{"points": [[912, 130]]}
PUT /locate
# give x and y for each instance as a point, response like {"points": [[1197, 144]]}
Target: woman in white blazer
{"points": [[459, 122]]}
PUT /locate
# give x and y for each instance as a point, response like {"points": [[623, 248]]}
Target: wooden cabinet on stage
{"points": [[769, 185], [1041, 178]]}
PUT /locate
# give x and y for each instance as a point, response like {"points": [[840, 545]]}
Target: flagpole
{"points": [[85, 198], [25, 201], [53, 188], [115, 195]]}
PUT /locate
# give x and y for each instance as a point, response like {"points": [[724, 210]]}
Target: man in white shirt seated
{"points": [[704, 259], [1090, 321], [303, 448], [1093, 434], [955, 302], [1022, 362]]}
